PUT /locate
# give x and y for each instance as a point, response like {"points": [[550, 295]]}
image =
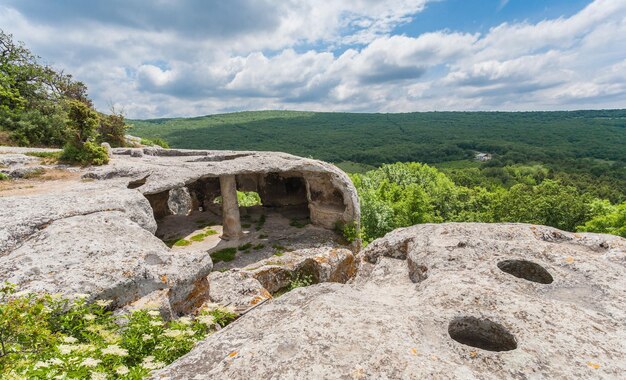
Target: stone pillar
{"points": [[230, 208]]}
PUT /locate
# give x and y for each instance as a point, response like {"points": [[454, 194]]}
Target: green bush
{"points": [[88, 154], [48, 336]]}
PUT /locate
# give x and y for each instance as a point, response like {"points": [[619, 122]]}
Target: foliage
{"points": [[37, 102], [155, 141], [609, 219], [349, 231], [404, 194], [300, 281], [112, 129], [3, 177], [48, 336]]}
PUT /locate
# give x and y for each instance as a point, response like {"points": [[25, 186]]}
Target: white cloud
{"points": [[281, 58]]}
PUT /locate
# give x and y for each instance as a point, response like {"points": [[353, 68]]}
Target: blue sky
{"points": [[165, 58]]}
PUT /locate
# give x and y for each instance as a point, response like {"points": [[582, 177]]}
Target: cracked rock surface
{"points": [[431, 301]]}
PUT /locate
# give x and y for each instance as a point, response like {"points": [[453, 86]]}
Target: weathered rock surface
{"points": [[70, 256], [440, 301], [23, 216], [246, 287]]}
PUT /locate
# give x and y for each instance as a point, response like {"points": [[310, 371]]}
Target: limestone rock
{"points": [[464, 301], [179, 201], [23, 216], [246, 287], [108, 148], [107, 256], [280, 179], [14, 159]]}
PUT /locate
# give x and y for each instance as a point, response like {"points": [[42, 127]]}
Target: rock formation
{"points": [[464, 301], [95, 235]]}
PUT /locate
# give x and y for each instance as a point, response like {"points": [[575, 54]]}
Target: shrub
{"points": [[87, 154], [48, 336], [80, 136], [349, 231]]}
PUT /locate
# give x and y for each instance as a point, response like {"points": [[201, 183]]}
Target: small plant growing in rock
{"points": [[182, 243], [299, 223], [4, 177], [301, 281], [349, 231], [245, 247], [258, 247], [226, 254], [260, 223], [197, 238]]}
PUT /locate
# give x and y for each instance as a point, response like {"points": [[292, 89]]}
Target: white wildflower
{"points": [[81, 295], [55, 361], [114, 349], [156, 323], [70, 339], [154, 313], [173, 334], [41, 365], [189, 332], [89, 317], [91, 362], [98, 376], [122, 370], [208, 320], [146, 337], [56, 296], [103, 303], [149, 363], [184, 320], [65, 349]]}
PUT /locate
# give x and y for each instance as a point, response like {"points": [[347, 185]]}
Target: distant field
{"points": [[431, 137]]}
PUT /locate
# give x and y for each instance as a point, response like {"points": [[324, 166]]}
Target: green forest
{"points": [[561, 169]]}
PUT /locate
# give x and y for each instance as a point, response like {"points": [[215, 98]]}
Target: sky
{"points": [[171, 58]]}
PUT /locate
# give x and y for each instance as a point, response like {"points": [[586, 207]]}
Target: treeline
{"points": [[404, 194], [41, 106]]}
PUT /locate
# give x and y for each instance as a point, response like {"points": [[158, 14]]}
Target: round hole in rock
{"points": [[527, 270], [481, 333]]}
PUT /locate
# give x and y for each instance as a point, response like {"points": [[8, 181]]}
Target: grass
{"points": [[182, 243], [225, 255], [258, 246], [4, 177], [246, 225], [260, 223], [245, 247], [299, 223], [55, 155], [263, 236], [197, 238]]}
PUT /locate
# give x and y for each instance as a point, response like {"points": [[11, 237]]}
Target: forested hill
{"points": [[431, 137]]}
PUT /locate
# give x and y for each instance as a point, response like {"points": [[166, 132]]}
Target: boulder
{"points": [[107, 256], [463, 301]]}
